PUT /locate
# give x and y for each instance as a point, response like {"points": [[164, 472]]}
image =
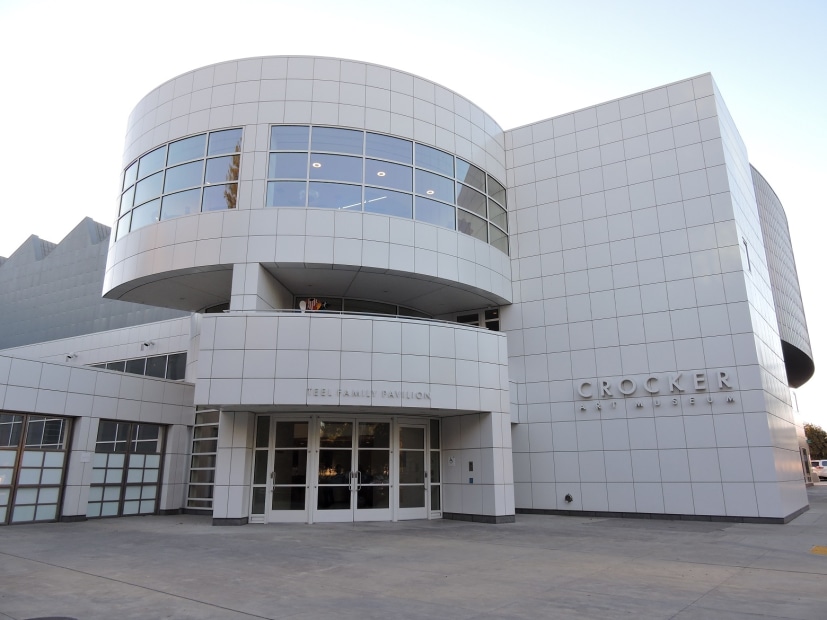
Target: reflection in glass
{"points": [[182, 203], [335, 434], [219, 197], [126, 200], [146, 214], [149, 188], [470, 199], [337, 140], [412, 497], [433, 159], [288, 165], [434, 466], [291, 434], [411, 438], [374, 435], [156, 366], [262, 431], [435, 503], [136, 367], [176, 366], [289, 138], [123, 226], [224, 142], [335, 196], [434, 434], [258, 500], [470, 174], [334, 498], [372, 307], [472, 225], [497, 215], [130, 174], [374, 466], [152, 162], [186, 149], [288, 498], [387, 174], [334, 466], [373, 498], [336, 168], [222, 169], [387, 202], [386, 147], [498, 238], [11, 427], [286, 193], [434, 186], [260, 467], [290, 467], [496, 190], [434, 212]]}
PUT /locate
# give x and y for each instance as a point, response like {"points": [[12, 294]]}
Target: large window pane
{"points": [[387, 174], [156, 366], [335, 196], [288, 166], [152, 162], [470, 199], [222, 169], [126, 200], [497, 215], [470, 174], [434, 186], [182, 203], [176, 366], [286, 193], [130, 175], [498, 238], [149, 188], [184, 176], [434, 212], [336, 168], [432, 159], [146, 214], [224, 142], [123, 226], [11, 428], [291, 434], [186, 149], [219, 197], [496, 190], [136, 367], [388, 203], [289, 138], [472, 225], [386, 147], [337, 140]]}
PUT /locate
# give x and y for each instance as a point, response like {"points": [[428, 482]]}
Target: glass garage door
{"points": [[127, 469], [32, 467]]}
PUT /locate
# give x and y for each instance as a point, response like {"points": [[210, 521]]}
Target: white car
{"points": [[820, 468]]}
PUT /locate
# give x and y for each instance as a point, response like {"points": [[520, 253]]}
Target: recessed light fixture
{"points": [[316, 164], [430, 192], [380, 174]]}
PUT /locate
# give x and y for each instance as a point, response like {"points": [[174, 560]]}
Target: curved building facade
{"points": [[789, 307], [400, 310]]}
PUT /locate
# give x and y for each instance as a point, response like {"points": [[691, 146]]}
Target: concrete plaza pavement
{"points": [[181, 567]]}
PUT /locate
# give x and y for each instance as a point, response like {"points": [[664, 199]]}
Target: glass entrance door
{"points": [[413, 475], [353, 481]]}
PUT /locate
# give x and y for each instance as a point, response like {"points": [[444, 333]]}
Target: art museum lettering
{"points": [[676, 383]]}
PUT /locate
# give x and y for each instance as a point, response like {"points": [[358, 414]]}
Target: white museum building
{"points": [[335, 291]]}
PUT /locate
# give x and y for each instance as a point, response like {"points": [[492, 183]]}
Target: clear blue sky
{"points": [[72, 71]]}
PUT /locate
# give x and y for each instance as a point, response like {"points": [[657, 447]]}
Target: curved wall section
{"points": [[254, 95], [300, 361], [786, 291]]}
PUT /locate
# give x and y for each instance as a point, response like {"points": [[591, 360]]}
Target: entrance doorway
{"points": [[345, 469]]}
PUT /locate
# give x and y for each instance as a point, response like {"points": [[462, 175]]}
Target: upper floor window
{"points": [[336, 168], [193, 174]]}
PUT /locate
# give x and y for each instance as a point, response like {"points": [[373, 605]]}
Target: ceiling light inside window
{"points": [[380, 174], [430, 192], [316, 164]]}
